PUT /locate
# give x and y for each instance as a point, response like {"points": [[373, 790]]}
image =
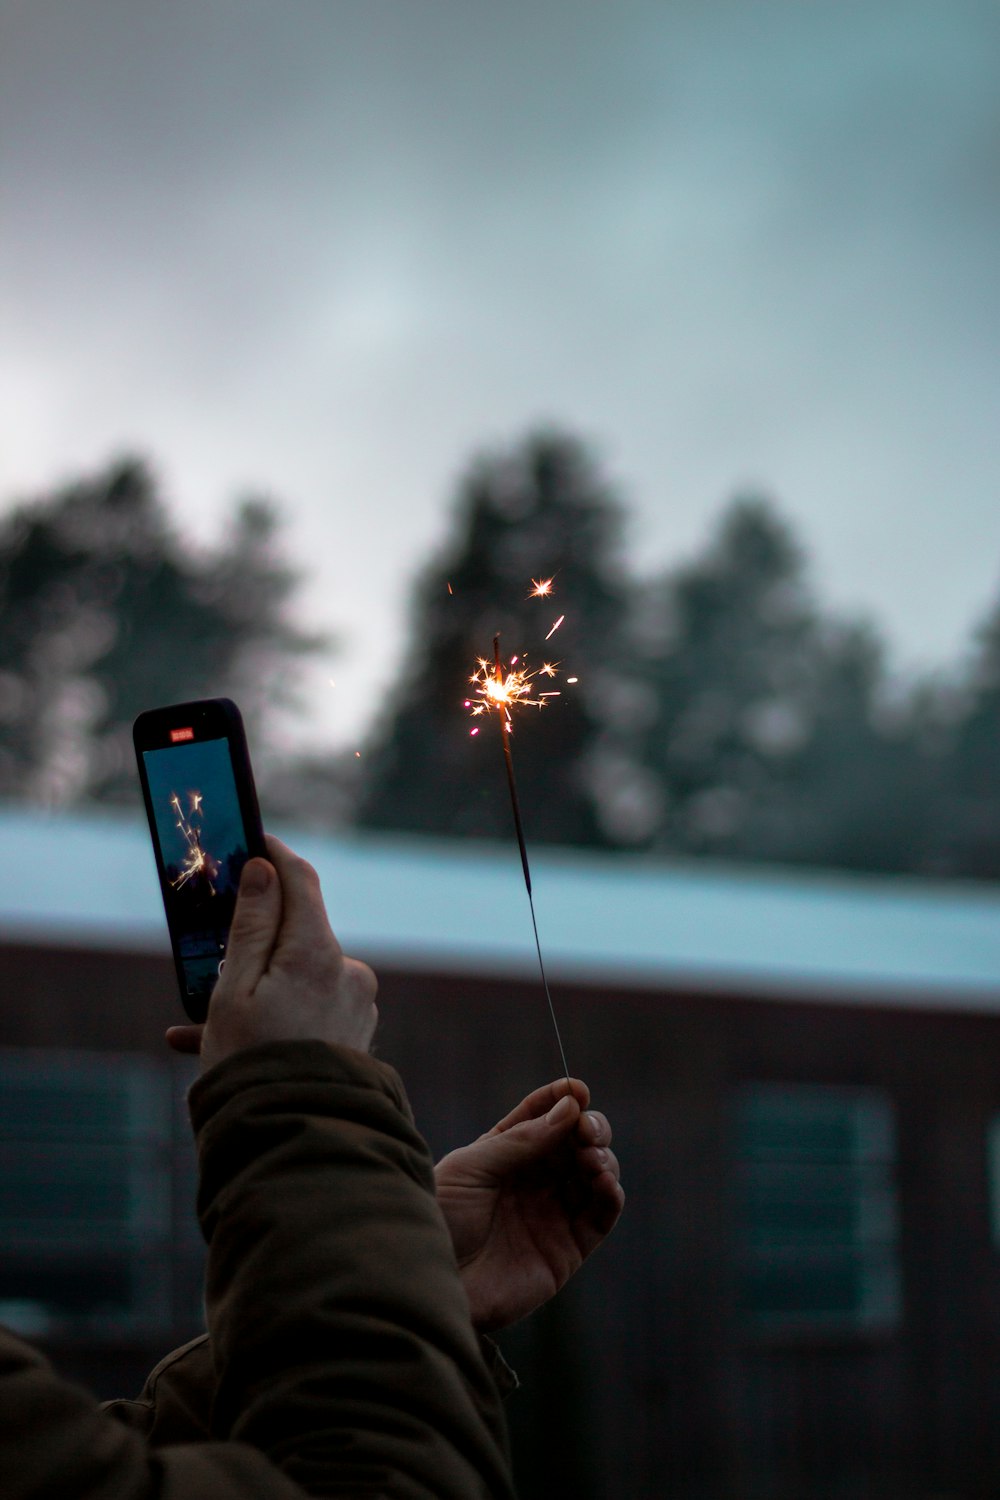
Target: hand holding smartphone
{"points": [[201, 803]]}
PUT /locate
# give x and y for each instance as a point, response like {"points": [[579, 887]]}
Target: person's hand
{"points": [[285, 977], [528, 1201]]}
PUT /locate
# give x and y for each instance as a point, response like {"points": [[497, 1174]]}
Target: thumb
{"points": [[560, 1120], [254, 931], [530, 1140]]}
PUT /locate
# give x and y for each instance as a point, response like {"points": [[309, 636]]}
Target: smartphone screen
{"points": [[203, 817]]}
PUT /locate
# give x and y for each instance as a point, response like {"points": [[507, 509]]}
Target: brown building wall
{"points": [[644, 1378]]}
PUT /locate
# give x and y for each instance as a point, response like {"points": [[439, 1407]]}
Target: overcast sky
{"points": [[331, 249]]}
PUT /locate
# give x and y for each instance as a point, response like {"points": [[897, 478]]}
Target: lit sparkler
{"points": [[500, 688], [197, 861]]}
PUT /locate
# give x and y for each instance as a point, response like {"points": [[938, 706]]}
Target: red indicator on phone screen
{"points": [[176, 735]]}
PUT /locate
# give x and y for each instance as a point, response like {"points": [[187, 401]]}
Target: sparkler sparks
{"points": [[197, 861], [501, 688], [540, 588]]}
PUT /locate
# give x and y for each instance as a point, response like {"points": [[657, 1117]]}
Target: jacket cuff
{"points": [[277, 1062]]}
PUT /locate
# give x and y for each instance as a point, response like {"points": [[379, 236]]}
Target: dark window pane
{"points": [[85, 1207], [816, 1206]]}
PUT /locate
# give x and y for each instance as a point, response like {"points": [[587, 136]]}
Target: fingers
{"points": [[556, 1111], [256, 921], [358, 986], [594, 1156], [588, 1174], [598, 1163], [607, 1199], [542, 1100], [502, 1151], [597, 1160], [185, 1038], [545, 1134], [594, 1129], [596, 1172]]}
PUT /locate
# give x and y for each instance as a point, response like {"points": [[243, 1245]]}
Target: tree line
{"points": [[718, 709]]}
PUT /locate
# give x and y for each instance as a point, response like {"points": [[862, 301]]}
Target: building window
{"points": [[188, 1255], [993, 1175], [816, 1206], [85, 1193]]}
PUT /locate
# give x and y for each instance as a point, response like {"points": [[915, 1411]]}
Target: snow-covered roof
{"points": [[614, 920]]}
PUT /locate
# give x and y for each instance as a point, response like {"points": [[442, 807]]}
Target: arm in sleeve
{"points": [[56, 1441], [175, 1403], [340, 1329]]}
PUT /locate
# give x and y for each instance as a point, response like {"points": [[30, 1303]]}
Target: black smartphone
{"points": [[201, 802]]}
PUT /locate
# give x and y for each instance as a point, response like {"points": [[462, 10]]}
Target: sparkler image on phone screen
{"points": [[205, 825]]}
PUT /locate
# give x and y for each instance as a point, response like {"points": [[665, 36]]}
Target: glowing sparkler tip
{"points": [[502, 687]]}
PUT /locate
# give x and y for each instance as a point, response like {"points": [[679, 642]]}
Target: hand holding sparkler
{"points": [[529, 1201]]}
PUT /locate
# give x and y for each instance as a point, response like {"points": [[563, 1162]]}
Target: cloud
{"points": [[330, 255]]}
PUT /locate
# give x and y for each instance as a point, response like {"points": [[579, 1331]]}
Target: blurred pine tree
{"points": [[767, 739], [540, 510], [967, 828], [105, 610]]}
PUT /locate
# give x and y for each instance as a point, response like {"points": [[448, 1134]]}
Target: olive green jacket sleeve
{"points": [[57, 1444], [339, 1328], [341, 1354], [175, 1404]]}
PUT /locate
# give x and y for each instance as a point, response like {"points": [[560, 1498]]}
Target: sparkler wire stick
{"points": [[523, 850]]}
